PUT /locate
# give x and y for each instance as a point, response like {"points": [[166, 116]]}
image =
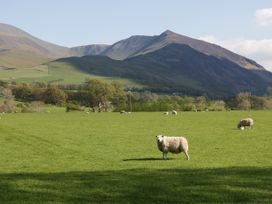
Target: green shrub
{"points": [[35, 106], [73, 106]]}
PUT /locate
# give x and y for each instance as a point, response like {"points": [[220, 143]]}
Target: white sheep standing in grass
{"points": [[166, 113], [172, 144], [245, 122], [174, 112]]}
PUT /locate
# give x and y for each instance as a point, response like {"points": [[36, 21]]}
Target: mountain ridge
{"points": [[13, 39], [167, 63], [178, 68]]}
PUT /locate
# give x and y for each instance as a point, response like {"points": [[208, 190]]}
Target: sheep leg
{"points": [[187, 155], [164, 156]]}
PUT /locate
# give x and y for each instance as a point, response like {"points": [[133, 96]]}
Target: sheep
{"points": [[245, 122], [174, 112], [166, 113], [122, 112], [172, 144]]}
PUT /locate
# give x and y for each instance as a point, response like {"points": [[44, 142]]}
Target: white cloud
{"points": [[258, 50], [264, 16]]}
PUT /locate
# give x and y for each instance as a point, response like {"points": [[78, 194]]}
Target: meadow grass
{"points": [[60, 157]]}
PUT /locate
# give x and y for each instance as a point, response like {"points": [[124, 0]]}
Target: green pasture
{"points": [[56, 73], [59, 157]]}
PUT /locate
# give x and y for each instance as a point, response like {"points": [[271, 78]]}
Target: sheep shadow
{"points": [[146, 159]]}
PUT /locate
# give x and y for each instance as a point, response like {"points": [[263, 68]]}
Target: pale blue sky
{"points": [[231, 23], [79, 22]]}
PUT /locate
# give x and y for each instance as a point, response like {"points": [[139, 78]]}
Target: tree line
{"points": [[100, 96]]}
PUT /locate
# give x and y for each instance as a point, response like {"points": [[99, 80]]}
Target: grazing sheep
{"points": [[172, 144], [166, 113], [122, 112], [174, 112], [245, 122]]}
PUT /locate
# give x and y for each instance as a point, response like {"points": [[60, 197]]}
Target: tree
{"points": [[54, 95], [269, 92], [200, 103], [257, 102], [218, 105], [119, 95], [23, 92], [6, 93], [99, 94], [187, 103], [243, 101]]}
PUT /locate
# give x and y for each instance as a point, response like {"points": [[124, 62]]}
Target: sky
{"points": [[244, 27]]}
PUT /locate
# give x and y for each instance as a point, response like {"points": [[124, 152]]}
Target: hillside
{"points": [[167, 63], [20, 49], [95, 49], [128, 47], [177, 68], [140, 45]]}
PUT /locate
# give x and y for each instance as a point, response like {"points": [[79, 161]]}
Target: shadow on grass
{"points": [[146, 159], [222, 185]]}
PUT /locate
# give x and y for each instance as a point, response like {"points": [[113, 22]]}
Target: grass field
{"points": [[57, 73], [60, 157]]}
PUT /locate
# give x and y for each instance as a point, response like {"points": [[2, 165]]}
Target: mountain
{"points": [[128, 47], [95, 49], [20, 49], [168, 62], [177, 68], [140, 45]]}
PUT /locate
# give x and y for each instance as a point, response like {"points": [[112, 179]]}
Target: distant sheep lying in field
{"points": [[174, 112], [166, 113], [245, 122], [172, 144]]}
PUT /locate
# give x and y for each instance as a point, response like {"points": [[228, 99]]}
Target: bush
{"points": [[8, 107], [217, 105], [23, 92], [54, 95], [35, 106], [73, 106]]}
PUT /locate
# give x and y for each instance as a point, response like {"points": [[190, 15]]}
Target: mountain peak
{"points": [[168, 32]]}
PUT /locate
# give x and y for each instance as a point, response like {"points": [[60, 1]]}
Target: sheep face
{"points": [[159, 138]]}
